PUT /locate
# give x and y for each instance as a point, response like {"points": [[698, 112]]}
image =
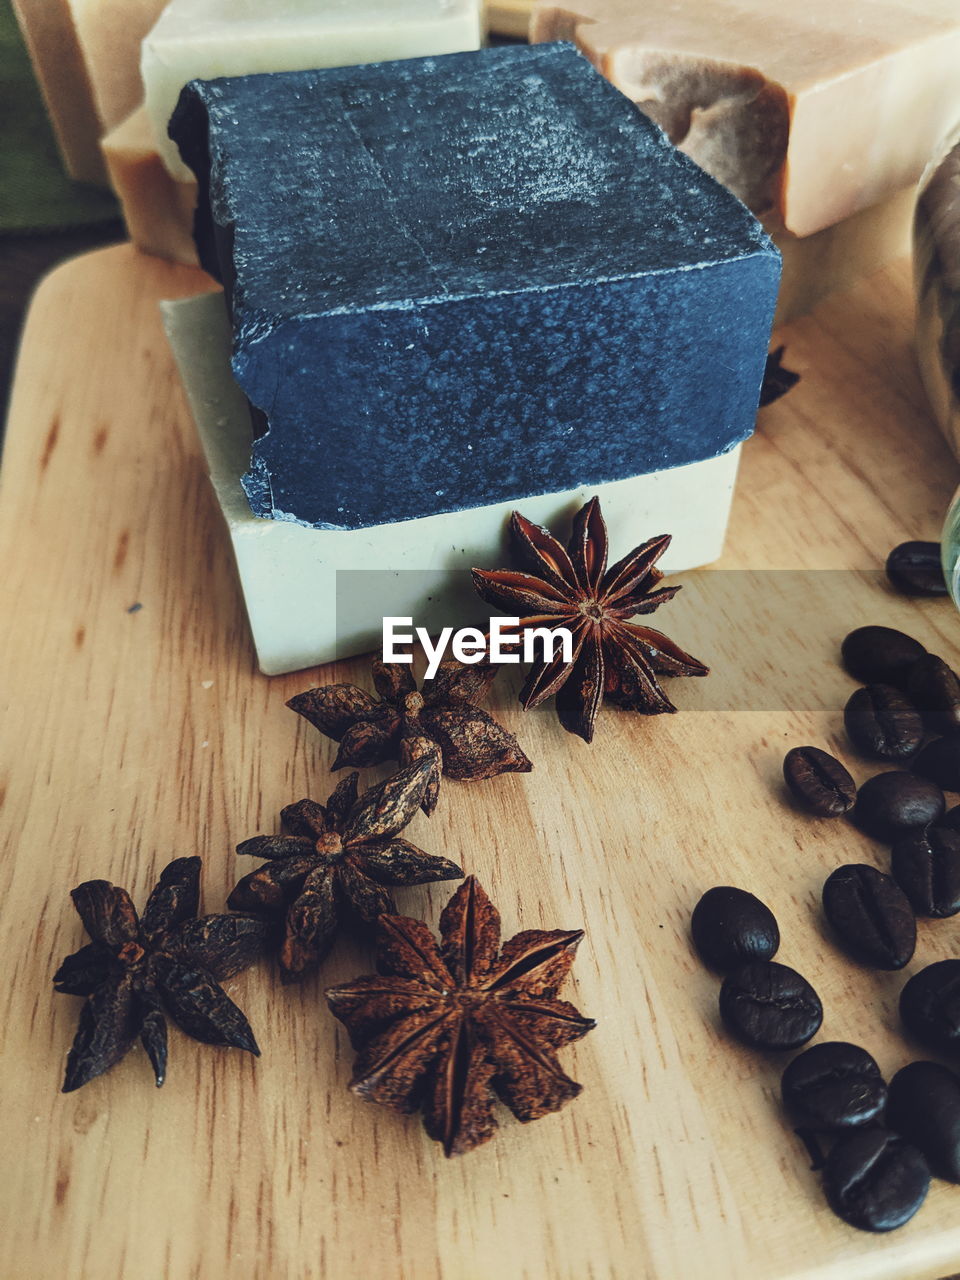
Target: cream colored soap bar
{"points": [[157, 208], [810, 110], [313, 595], [204, 39]]}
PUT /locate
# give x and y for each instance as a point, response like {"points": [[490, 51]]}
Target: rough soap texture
{"points": [[812, 109], [462, 280]]}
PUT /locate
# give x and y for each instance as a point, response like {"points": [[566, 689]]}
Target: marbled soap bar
{"points": [[811, 108], [468, 280], [313, 595], [202, 39]]}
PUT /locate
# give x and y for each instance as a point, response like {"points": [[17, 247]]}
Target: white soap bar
{"points": [[204, 39], [314, 595]]}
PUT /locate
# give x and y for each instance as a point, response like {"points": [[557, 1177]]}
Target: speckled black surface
{"points": [[466, 279]]}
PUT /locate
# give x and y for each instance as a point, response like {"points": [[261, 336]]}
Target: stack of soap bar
{"points": [[456, 282], [157, 207], [315, 595], [936, 263], [440, 315], [813, 110], [210, 38]]}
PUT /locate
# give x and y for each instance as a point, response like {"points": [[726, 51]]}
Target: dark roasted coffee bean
{"points": [[833, 1086], [935, 691], [883, 722], [871, 916], [950, 820], [924, 1107], [875, 1180], [940, 762], [891, 804], [769, 1006], [926, 866], [731, 926], [915, 568], [880, 655], [819, 782], [930, 1006]]}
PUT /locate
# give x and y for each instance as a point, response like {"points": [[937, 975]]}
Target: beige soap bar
{"points": [[834, 258], [810, 110], [110, 33], [51, 38], [157, 208], [508, 17]]}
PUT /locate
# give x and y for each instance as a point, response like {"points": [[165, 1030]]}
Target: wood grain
{"points": [[133, 736]]}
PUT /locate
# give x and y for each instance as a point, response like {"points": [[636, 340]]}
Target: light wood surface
{"points": [[133, 737]]}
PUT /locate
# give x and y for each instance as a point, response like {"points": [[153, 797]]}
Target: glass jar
{"points": [[950, 549], [936, 277], [936, 280]]}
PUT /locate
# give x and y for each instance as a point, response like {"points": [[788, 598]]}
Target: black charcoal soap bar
{"points": [[463, 280]]}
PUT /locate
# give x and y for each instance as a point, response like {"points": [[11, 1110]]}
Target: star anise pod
{"points": [[337, 859], [573, 588], [139, 970], [444, 1028], [442, 723]]}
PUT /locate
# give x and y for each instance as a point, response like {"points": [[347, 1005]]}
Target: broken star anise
{"points": [[443, 722], [137, 970], [573, 588], [444, 1028], [339, 856]]}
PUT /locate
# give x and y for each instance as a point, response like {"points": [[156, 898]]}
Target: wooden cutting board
{"points": [[137, 729]]}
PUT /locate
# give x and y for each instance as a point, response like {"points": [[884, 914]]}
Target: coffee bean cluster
{"points": [[886, 1142], [908, 713], [764, 1004], [877, 1172]]}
